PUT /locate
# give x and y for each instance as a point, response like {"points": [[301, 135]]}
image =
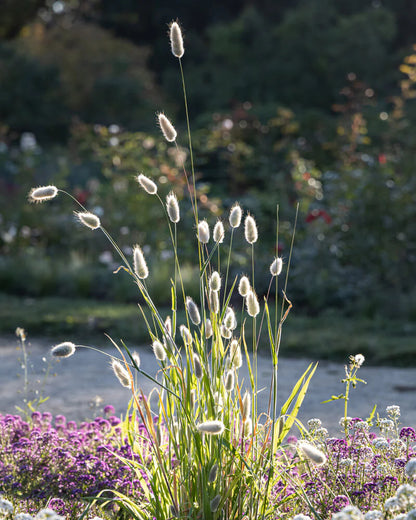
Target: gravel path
{"points": [[81, 385]]}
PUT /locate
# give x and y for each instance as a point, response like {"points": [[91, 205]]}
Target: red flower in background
{"points": [[316, 213], [382, 159], [82, 196]]}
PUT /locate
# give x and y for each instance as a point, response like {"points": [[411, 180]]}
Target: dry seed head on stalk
{"points": [[203, 232], [236, 359], [42, 193], [214, 281], [250, 230], [176, 40], [246, 402], [159, 350], [311, 452], [136, 358], [229, 381], [121, 373], [214, 302], [172, 207], [64, 349], [193, 311], [186, 335], [88, 219], [247, 427], [212, 476], [276, 266], [168, 326], [235, 216], [214, 503], [211, 427], [252, 304], [219, 403], [168, 130], [192, 398], [225, 333], [139, 263], [244, 286], [230, 321], [197, 366], [147, 184], [218, 233], [208, 329]]}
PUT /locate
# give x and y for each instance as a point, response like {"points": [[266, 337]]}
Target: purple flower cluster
{"points": [[362, 470], [61, 462]]}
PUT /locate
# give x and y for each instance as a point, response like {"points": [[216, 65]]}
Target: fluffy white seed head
{"points": [[168, 326], [136, 357], [147, 184], [248, 427], [65, 349], [311, 452], [252, 304], [121, 373], [230, 321], [236, 359], [214, 281], [168, 130], [235, 216], [218, 233], [186, 335], [193, 311], [197, 366], [211, 427], [208, 329], [88, 219], [176, 40], [244, 286], [203, 232], [276, 266], [246, 405], [139, 263], [43, 193], [225, 333], [214, 302], [250, 230], [159, 350], [172, 207], [229, 381]]}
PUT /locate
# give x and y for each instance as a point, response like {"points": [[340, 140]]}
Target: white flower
{"points": [[393, 410], [6, 508], [349, 513], [375, 514], [314, 423], [48, 514], [406, 495], [391, 504], [410, 468]]}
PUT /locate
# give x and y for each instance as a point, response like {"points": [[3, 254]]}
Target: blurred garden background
{"points": [[290, 101]]}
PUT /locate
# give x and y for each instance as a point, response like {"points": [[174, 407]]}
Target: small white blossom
{"points": [[410, 468]]}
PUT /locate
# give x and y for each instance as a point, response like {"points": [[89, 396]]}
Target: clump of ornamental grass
{"points": [[204, 414]]}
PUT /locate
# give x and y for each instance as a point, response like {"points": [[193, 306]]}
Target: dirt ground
{"points": [[80, 386]]}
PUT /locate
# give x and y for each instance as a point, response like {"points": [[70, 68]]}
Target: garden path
{"points": [[78, 387]]}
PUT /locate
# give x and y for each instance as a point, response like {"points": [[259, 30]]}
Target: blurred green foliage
{"points": [[309, 101]]}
